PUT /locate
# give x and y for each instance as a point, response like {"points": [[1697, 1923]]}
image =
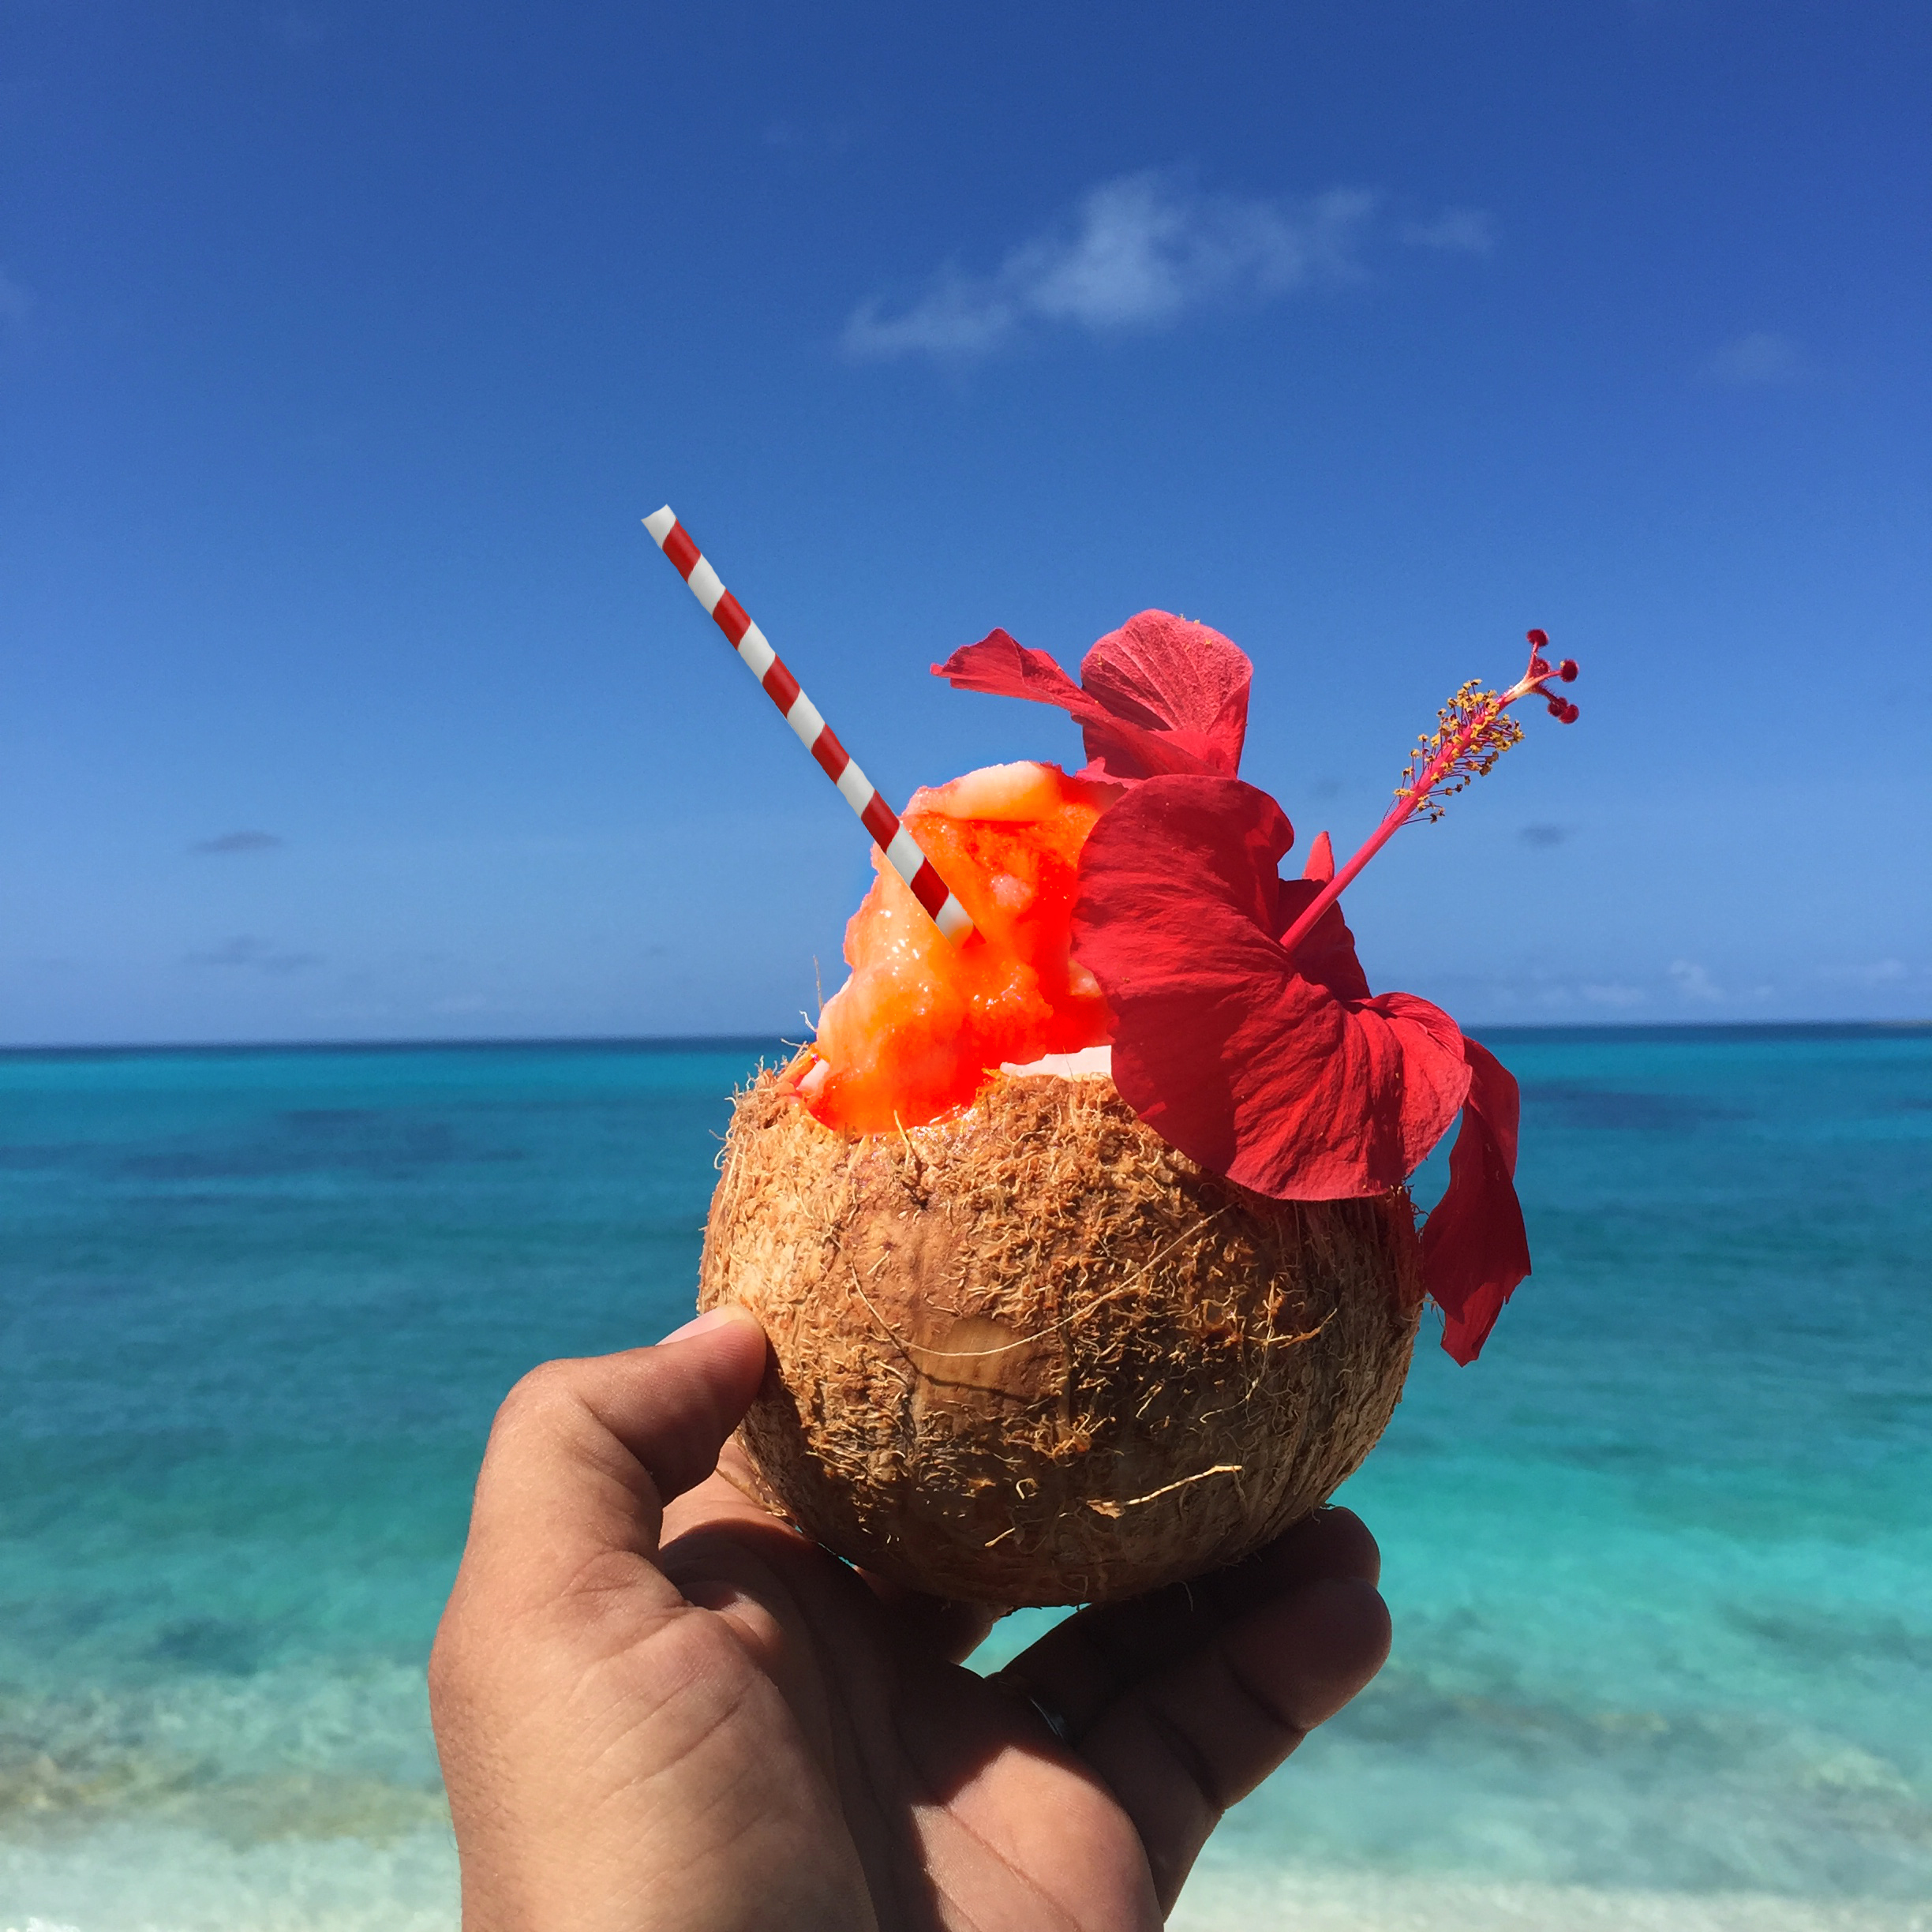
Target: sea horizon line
{"points": [[1658, 1031]]}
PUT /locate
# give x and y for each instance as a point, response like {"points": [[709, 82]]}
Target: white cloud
{"points": [[458, 1003], [1693, 981], [1878, 973], [1455, 231], [1759, 360], [1140, 253], [1614, 995]]}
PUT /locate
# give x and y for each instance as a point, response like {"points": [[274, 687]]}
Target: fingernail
{"points": [[713, 1318]]}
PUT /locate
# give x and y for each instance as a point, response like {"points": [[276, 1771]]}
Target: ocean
{"points": [[1661, 1563]]}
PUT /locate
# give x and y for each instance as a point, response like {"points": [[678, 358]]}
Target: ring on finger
{"points": [[1054, 1718]]}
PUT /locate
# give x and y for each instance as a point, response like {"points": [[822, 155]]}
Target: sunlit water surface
{"points": [[1661, 1564]]}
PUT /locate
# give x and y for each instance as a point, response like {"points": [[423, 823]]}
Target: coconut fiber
{"points": [[1032, 1354]]}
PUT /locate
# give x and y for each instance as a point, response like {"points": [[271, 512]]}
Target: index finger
{"points": [[585, 1454]]}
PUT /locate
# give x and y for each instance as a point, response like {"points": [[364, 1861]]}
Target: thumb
{"points": [[585, 1454]]}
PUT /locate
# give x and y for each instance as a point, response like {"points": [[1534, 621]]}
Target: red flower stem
{"points": [[1333, 890]]}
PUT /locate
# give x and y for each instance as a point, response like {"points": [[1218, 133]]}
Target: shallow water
{"points": [[1660, 1564]]}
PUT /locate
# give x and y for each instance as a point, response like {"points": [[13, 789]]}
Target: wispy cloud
{"points": [[1761, 360], [262, 955], [1882, 972], [1137, 254], [237, 842], [1454, 231], [1693, 982], [1613, 993]]}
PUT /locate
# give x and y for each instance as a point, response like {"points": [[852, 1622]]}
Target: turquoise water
{"points": [[1661, 1563]]}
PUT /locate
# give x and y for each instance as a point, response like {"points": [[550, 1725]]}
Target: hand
{"points": [[692, 1717]]}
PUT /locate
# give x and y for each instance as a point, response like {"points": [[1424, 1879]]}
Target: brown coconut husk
{"points": [[1031, 1354]]}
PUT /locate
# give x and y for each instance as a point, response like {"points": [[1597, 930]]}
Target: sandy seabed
{"points": [[146, 1879], [136, 1878]]}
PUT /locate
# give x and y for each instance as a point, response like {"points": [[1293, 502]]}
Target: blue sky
{"points": [[342, 347]]}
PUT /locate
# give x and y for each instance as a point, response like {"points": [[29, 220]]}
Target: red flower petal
{"points": [[1175, 677], [1003, 667], [1161, 695], [1474, 1248], [1284, 1075]]}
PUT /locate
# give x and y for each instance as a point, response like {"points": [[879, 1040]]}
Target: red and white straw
{"points": [[901, 849]]}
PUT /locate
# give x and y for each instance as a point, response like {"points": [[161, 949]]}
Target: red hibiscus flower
{"points": [[1244, 1032]]}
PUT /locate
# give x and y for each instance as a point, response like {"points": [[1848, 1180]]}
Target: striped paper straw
{"points": [[901, 849]]}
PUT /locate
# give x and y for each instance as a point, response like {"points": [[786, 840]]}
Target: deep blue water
{"points": [[1660, 1563]]}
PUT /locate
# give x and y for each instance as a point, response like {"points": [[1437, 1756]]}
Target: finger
{"points": [[1186, 1742], [1081, 1666], [1331, 1542], [585, 1454]]}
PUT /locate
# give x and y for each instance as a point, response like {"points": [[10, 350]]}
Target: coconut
{"points": [[1031, 1354]]}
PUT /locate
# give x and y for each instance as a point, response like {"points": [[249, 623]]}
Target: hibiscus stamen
{"points": [[1473, 729]]}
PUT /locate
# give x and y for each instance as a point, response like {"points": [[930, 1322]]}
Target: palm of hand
{"points": [[959, 1806], [930, 1797], [708, 1722]]}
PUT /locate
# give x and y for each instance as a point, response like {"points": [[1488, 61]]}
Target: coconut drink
{"points": [[1081, 1232]]}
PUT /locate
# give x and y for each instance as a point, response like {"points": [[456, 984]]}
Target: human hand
{"points": [[691, 1717]]}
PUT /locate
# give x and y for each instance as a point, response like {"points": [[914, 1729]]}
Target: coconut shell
{"points": [[1032, 1354]]}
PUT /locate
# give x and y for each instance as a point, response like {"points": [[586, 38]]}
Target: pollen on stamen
{"points": [[1474, 730]]}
